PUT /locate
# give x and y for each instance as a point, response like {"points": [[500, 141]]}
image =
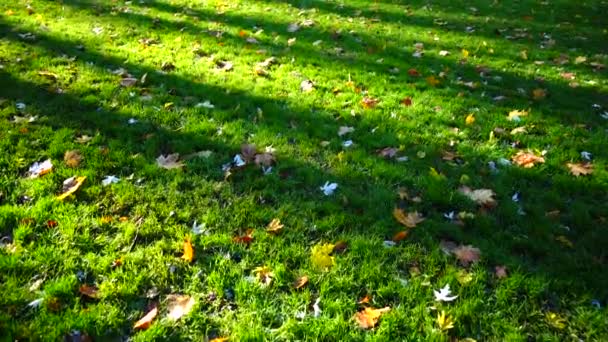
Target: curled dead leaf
{"points": [[274, 226], [178, 306], [300, 282], [580, 169], [90, 291], [483, 197], [368, 317], [527, 159], [146, 321], [72, 158], [368, 102], [400, 235], [169, 162], [409, 220]]}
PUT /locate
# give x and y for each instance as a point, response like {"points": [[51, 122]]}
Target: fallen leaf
{"points": [[307, 86], [432, 81], [467, 254], [300, 282], [321, 257], [483, 197], [368, 102], [70, 186], [578, 169], [365, 300], [407, 101], [409, 220], [515, 115], [464, 277], [72, 158], [568, 75], [539, 94], [340, 247], [388, 152], [264, 275], [188, 251], [368, 317], [400, 235], [345, 130], [128, 82], [248, 151], [146, 321], [39, 169], [470, 119], [219, 339], [444, 322], [89, 291], [224, 65], [170, 161], [465, 53], [413, 73], [519, 130], [264, 159], [500, 272], [245, 239], [527, 159], [178, 306], [274, 226], [565, 241], [555, 320]]}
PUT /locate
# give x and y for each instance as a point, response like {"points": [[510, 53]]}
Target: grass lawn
{"points": [[467, 141]]}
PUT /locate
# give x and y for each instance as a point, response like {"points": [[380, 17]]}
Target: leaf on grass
{"points": [[307, 86], [340, 247], [413, 73], [483, 197], [368, 317], [169, 162], [409, 220], [565, 241], [555, 320], [516, 114], [128, 82], [219, 339], [321, 257], [388, 152], [369, 102], [467, 254], [300, 282], [89, 291], [264, 275], [345, 130], [264, 159], [188, 251], [70, 186], [248, 151], [407, 101], [246, 239], [400, 235], [444, 322], [39, 169], [274, 226], [72, 158], [500, 272], [527, 159], [519, 130], [578, 169], [146, 321], [539, 94], [224, 65], [365, 300], [432, 81], [464, 277], [470, 119], [178, 306]]}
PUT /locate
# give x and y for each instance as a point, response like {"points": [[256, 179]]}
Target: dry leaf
{"points": [[467, 254], [340, 247], [70, 186], [365, 300], [413, 73], [406, 101], [409, 220], [516, 114], [300, 282], [470, 119], [128, 81], [307, 86], [146, 321], [519, 130], [39, 169], [170, 161], [264, 275], [321, 255], [444, 322], [224, 65], [264, 159], [400, 236], [246, 239], [483, 197], [178, 306], [539, 94], [248, 151], [368, 102], [219, 339], [368, 317], [432, 81], [388, 152], [579, 169], [72, 158], [500, 272], [274, 226], [527, 159], [188, 251], [345, 130], [89, 291]]}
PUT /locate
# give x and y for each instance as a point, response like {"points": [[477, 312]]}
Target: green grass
{"points": [[361, 42]]}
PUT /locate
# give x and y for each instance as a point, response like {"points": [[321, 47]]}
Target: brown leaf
{"points": [[89, 291], [300, 282], [539, 94], [178, 306], [407, 101], [146, 321], [245, 239], [369, 102], [248, 151], [568, 75], [170, 161], [72, 158], [483, 197], [409, 220], [368, 317], [365, 300], [413, 73], [188, 251], [274, 226], [467, 254], [448, 155], [527, 159], [578, 169], [400, 236], [340, 247], [264, 159], [128, 81], [388, 152]]}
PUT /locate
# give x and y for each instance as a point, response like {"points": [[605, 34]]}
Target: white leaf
{"points": [[329, 188], [110, 180], [443, 295]]}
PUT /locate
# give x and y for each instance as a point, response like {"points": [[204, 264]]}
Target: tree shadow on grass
{"points": [[365, 198]]}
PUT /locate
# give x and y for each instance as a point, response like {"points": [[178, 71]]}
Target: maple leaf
{"points": [[264, 159], [300, 282], [365, 300], [578, 169], [444, 322], [527, 159], [409, 220], [264, 275], [500, 272], [72, 158], [178, 306], [467, 254], [407, 101], [169, 162], [146, 321], [70, 186], [39, 169], [516, 114], [369, 102], [483, 197], [188, 251], [321, 256], [400, 235], [368, 317], [274, 226], [89, 291], [444, 294], [246, 239]]}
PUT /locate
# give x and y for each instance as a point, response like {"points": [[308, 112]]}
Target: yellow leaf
{"points": [[465, 53], [432, 81], [144, 322], [565, 241], [470, 119], [188, 251], [274, 226], [409, 220], [464, 277], [70, 186], [555, 320], [219, 339], [321, 255], [516, 114], [9, 12], [300, 282], [368, 317], [264, 274], [444, 322], [580, 169]]}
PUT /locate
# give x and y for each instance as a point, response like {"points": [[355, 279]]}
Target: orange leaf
{"points": [[242, 33], [369, 102], [246, 239], [410, 220], [188, 251], [413, 73], [400, 236], [406, 101], [365, 300], [580, 169], [274, 226], [89, 291], [300, 282], [527, 159], [368, 318], [144, 322], [219, 339]]}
